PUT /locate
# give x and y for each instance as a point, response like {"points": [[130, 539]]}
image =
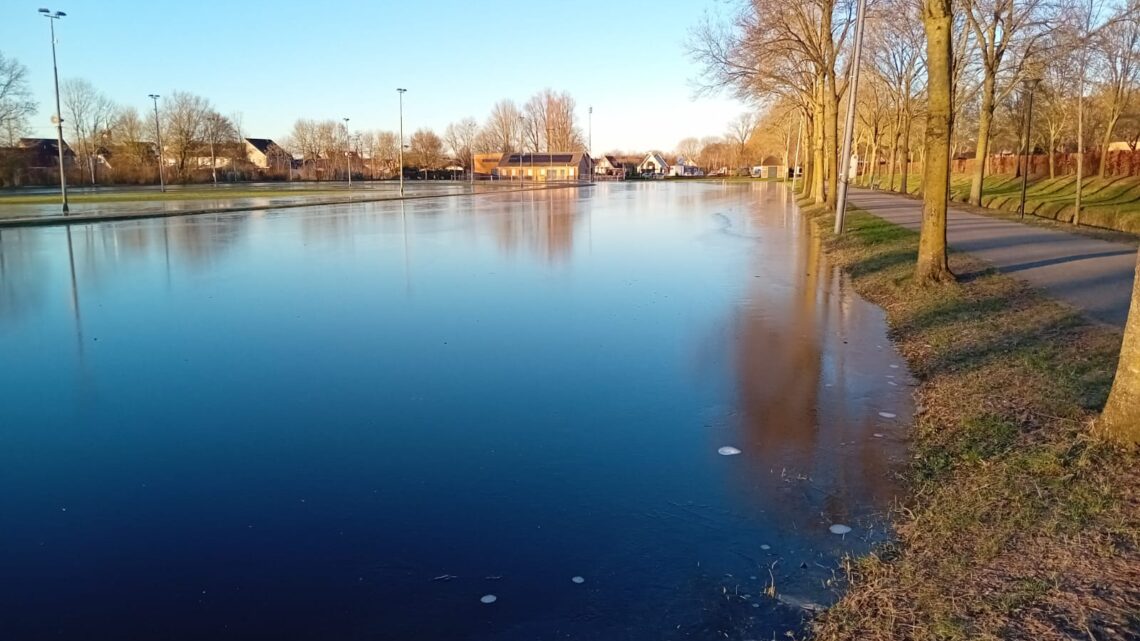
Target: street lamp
{"points": [[158, 137], [348, 153], [1030, 86], [848, 134], [401, 91], [57, 119]]}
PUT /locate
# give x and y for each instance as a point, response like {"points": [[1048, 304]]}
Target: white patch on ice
{"points": [[728, 450], [839, 529], [577, 579], [765, 547], [489, 598], [877, 435], [893, 366], [886, 415]]}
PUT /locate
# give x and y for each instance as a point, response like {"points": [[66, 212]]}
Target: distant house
{"points": [[43, 153], [684, 168], [769, 167], [486, 164], [263, 153], [607, 166], [653, 166], [545, 167]]}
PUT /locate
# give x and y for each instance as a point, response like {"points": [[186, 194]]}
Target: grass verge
{"points": [[1018, 524], [1109, 203]]}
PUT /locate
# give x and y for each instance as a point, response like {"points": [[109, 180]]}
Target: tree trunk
{"points": [[906, 152], [1105, 142], [819, 170], [932, 265], [1052, 154], [874, 157], [1080, 138], [985, 124], [1120, 420], [894, 151], [831, 140]]}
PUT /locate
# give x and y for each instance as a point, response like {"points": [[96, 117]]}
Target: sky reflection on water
{"points": [[287, 424]]}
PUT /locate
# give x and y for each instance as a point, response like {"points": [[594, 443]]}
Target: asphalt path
{"points": [[1091, 274]]}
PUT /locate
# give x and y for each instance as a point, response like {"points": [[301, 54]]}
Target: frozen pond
{"points": [[615, 412]]}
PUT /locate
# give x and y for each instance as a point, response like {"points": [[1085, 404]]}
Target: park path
{"points": [[1093, 275]]}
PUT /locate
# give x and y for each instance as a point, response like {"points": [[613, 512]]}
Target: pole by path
{"points": [[796, 162], [852, 103]]}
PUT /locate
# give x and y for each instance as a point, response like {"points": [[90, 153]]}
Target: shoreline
{"points": [[56, 220], [1015, 521]]}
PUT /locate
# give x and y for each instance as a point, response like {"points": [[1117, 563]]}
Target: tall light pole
{"points": [[348, 152], [590, 142], [52, 16], [401, 91], [796, 162], [158, 137], [848, 134], [1030, 86]]}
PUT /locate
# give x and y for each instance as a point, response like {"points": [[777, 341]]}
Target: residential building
{"points": [[545, 167], [653, 166], [684, 168], [485, 164], [43, 153], [263, 153]]}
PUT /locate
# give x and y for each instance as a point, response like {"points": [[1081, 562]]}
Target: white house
{"points": [[685, 168], [654, 166]]}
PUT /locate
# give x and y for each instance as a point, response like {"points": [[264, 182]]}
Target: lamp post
{"points": [[401, 91], [1030, 87], [849, 132], [348, 152], [52, 16], [158, 137]]}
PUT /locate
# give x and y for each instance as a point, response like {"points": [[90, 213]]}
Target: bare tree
{"points": [[549, 122], [460, 139], [504, 127], [937, 20], [388, 148], [785, 49], [16, 104], [1119, 48], [89, 112], [1007, 34], [217, 131], [131, 136], [740, 132], [426, 149], [897, 53], [184, 120], [690, 148], [1120, 420]]}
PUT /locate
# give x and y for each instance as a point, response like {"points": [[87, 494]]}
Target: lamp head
{"points": [[42, 10]]}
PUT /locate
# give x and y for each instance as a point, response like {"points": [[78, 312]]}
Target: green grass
{"points": [[1018, 524], [1110, 203]]}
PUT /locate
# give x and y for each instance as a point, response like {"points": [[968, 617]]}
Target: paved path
{"points": [[1094, 275]]}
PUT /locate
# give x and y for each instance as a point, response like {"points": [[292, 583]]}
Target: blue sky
{"points": [[276, 61]]}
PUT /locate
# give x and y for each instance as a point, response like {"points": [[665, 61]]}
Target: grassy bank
{"points": [[1017, 525], [1111, 203]]}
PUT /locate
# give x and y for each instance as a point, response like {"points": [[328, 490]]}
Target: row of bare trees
{"points": [[957, 81], [546, 122], [117, 143]]}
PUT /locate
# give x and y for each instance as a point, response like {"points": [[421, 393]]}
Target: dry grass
{"points": [[1018, 525]]}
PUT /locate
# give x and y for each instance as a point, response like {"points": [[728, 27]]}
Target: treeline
{"points": [[546, 122], [115, 143], [1080, 58]]}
